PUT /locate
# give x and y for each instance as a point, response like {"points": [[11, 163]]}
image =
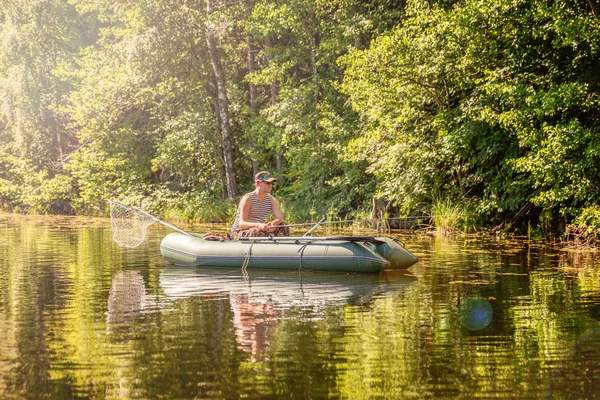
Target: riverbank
{"points": [[575, 240]]}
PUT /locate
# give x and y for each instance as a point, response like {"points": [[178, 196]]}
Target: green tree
{"points": [[546, 98], [303, 117], [143, 107], [35, 139], [488, 100]]}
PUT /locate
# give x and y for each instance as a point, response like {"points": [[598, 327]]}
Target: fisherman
{"points": [[255, 207]]}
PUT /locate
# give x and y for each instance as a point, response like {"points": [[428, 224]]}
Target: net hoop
{"points": [[129, 226]]}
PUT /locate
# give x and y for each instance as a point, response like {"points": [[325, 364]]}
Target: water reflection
{"points": [[259, 300], [127, 297], [254, 321], [82, 318]]}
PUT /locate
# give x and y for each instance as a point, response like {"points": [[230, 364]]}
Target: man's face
{"points": [[266, 186]]}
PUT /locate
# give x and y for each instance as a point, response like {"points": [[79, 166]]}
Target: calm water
{"points": [[475, 318]]}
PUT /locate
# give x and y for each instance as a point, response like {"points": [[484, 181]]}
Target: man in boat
{"points": [[255, 207]]}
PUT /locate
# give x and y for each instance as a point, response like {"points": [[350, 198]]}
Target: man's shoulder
{"points": [[245, 197]]}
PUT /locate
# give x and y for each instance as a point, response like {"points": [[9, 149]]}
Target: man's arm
{"points": [[276, 212]]}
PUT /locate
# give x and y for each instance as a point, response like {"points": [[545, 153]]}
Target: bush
{"points": [[585, 229], [196, 206]]}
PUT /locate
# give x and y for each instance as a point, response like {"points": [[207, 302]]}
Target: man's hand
{"points": [[271, 227], [262, 227]]}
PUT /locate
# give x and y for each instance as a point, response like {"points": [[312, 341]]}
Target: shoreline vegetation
{"points": [[461, 116], [445, 219]]}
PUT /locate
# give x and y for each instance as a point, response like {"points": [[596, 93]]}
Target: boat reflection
{"points": [[284, 288], [261, 299]]}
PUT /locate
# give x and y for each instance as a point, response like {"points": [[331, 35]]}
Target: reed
{"points": [[448, 216]]}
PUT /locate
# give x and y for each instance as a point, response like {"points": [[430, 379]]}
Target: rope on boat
{"points": [[301, 251], [247, 259], [400, 242]]}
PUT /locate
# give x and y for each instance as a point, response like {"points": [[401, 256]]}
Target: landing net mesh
{"points": [[129, 226]]}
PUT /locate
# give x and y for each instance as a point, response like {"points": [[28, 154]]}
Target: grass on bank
{"points": [[449, 217], [210, 211], [446, 215]]}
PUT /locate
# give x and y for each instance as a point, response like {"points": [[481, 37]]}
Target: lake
{"points": [[476, 317]]}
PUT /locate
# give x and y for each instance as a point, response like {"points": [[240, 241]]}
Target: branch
{"points": [[593, 7]]}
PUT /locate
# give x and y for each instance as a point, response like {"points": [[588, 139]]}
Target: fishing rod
{"points": [[307, 238], [318, 222], [348, 221], [302, 224]]}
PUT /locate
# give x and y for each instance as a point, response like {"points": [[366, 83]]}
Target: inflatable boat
{"points": [[330, 253]]}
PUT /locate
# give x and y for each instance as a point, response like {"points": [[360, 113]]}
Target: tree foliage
{"points": [[176, 105], [491, 100]]}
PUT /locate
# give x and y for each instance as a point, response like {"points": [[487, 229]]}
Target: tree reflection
{"points": [[581, 364], [82, 318]]}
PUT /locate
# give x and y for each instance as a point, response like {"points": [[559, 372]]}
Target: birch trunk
{"points": [[274, 92], [252, 90], [222, 105]]}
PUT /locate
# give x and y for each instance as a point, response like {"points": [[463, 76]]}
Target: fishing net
{"points": [[129, 226]]}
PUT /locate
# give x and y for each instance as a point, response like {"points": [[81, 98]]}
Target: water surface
{"points": [[476, 318]]}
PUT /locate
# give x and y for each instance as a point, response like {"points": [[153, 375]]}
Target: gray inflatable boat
{"points": [[330, 253]]}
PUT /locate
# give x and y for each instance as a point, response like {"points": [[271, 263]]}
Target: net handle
{"points": [[136, 210], [314, 227]]}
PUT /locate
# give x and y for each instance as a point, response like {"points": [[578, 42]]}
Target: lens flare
{"points": [[475, 313]]}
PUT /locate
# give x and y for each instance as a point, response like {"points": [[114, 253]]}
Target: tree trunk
{"points": [[218, 149], [222, 105], [315, 46], [252, 91], [274, 92], [59, 144], [594, 7], [274, 88]]}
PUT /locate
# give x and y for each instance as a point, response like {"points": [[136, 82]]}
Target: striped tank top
{"points": [[259, 211]]}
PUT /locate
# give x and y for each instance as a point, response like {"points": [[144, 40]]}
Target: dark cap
{"points": [[264, 176]]}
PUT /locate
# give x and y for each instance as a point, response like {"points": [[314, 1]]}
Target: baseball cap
{"points": [[264, 176]]}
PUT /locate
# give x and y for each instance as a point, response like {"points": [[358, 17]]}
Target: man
{"points": [[255, 207]]}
